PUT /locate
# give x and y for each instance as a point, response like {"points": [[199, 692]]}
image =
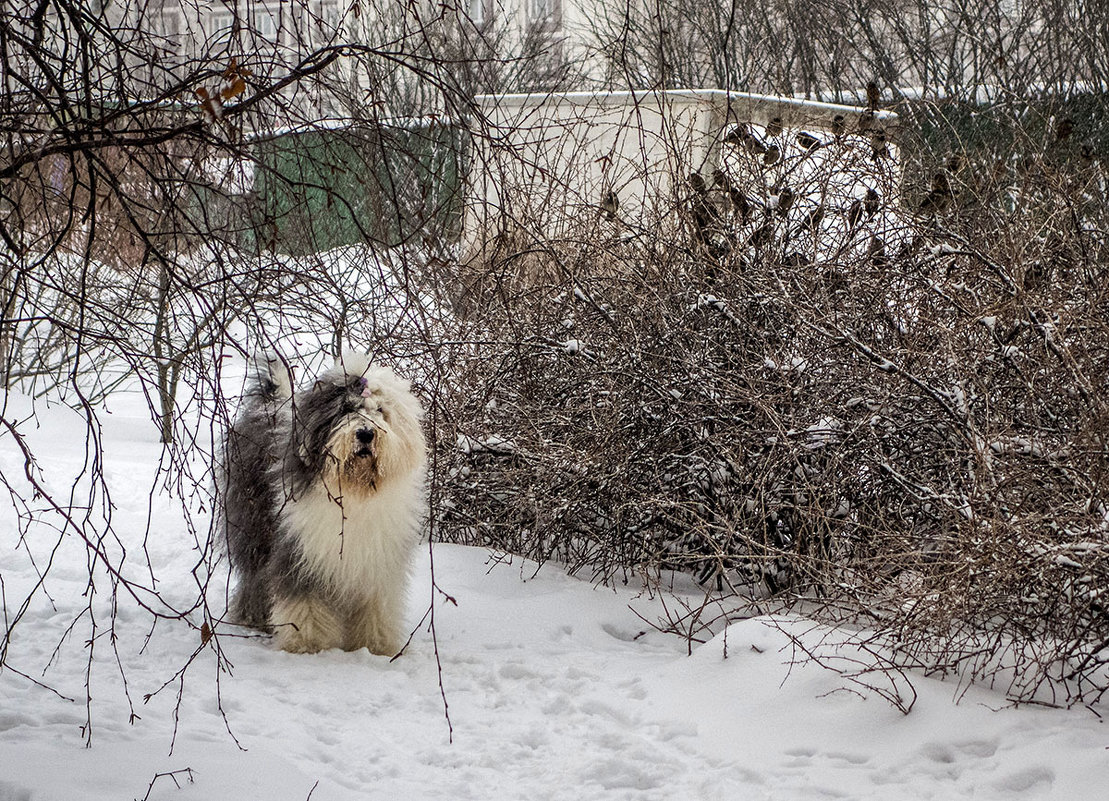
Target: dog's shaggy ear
{"points": [[399, 392]]}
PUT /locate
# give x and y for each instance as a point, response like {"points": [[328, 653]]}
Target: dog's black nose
{"points": [[365, 435]]}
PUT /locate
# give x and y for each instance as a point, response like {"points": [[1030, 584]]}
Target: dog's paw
{"points": [[374, 626], [305, 625]]}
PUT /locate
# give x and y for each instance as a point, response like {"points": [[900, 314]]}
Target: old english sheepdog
{"points": [[322, 493]]}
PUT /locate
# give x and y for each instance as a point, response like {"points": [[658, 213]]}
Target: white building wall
{"points": [[553, 166], [547, 162]]}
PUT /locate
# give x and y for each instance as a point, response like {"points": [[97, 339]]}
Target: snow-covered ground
{"points": [[555, 689]]}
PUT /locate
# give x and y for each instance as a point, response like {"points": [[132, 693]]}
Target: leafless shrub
{"points": [[892, 417]]}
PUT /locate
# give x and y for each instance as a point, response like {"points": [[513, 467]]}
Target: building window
{"points": [[167, 26], [326, 18], [265, 25], [479, 12], [266, 21], [545, 14], [222, 26]]}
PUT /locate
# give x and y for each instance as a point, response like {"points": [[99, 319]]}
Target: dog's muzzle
{"points": [[365, 437]]}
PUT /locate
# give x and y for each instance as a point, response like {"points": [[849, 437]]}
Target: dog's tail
{"points": [[273, 377]]}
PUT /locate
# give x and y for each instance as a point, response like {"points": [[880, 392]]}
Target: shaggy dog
{"points": [[322, 492]]}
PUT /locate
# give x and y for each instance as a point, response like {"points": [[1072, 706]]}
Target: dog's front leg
{"points": [[376, 624], [305, 624]]}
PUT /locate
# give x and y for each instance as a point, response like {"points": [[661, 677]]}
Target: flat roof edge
{"points": [[714, 96]]}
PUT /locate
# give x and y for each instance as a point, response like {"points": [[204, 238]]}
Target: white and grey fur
{"points": [[322, 494]]}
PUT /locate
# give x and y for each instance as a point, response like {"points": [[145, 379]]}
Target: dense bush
{"points": [[907, 431]]}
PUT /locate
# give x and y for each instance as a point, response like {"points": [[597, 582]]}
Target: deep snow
{"points": [[556, 688]]}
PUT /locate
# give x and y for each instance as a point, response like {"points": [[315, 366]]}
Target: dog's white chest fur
{"points": [[359, 548]]}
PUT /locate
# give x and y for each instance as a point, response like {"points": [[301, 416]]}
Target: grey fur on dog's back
{"points": [[250, 508]]}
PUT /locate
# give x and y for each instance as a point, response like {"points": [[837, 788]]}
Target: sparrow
{"points": [[807, 140], [939, 196], [739, 201], [785, 200], [873, 96], [811, 220], [871, 202], [610, 204]]}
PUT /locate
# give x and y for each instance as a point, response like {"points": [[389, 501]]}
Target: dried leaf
{"points": [[237, 87], [212, 106]]}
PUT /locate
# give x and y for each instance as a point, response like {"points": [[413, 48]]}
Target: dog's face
{"points": [[358, 428]]}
